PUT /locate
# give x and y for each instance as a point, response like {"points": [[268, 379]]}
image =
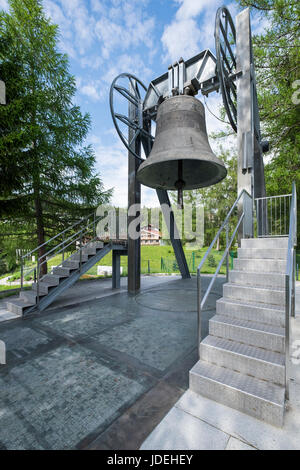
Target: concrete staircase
{"points": [[62, 277], [242, 360]]}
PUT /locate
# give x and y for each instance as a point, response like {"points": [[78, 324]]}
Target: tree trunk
{"points": [[218, 244], [40, 234]]}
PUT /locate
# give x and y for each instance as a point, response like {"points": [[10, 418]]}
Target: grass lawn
{"points": [[161, 259], [154, 259]]}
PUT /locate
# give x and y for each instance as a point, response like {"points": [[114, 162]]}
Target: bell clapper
{"points": [[179, 184]]}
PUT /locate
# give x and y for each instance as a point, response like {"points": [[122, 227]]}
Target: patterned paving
{"points": [[54, 401], [72, 372]]}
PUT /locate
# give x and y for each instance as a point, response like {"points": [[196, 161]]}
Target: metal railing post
{"points": [[293, 281], [63, 248], [117, 225], [38, 284], [80, 252], [287, 335], [227, 256], [21, 273], [199, 334]]}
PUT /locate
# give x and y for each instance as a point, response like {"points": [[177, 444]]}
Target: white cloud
{"points": [[112, 163], [75, 23], [184, 37], [90, 90], [3, 5], [128, 63], [124, 27]]}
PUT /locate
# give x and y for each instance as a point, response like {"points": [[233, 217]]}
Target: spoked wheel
{"points": [[127, 89], [225, 39]]}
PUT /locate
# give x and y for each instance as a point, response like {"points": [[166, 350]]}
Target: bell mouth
{"points": [[195, 174]]}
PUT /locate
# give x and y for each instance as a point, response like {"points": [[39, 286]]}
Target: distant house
{"points": [[150, 235]]}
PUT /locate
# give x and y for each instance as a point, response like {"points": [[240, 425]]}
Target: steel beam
{"points": [[163, 198]]}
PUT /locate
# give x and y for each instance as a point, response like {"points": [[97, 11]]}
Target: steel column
{"points": [[163, 198], [250, 161], [134, 199], [244, 109], [116, 274]]}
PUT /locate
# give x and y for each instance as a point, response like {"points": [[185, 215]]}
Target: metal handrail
{"points": [[222, 227], [290, 283], [66, 240], [273, 197], [45, 256], [245, 218], [57, 235]]}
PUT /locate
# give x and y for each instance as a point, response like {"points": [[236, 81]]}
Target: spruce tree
{"points": [[49, 172]]}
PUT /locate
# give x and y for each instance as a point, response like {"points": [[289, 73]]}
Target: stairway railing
{"points": [[64, 245], [72, 239], [290, 275], [246, 218], [273, 215]]}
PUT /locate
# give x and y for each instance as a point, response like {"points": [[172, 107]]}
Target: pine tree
{"points": [[49, 172]]}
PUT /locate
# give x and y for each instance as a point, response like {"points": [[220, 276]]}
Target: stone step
{"points": [[43, 287], [262, 253], [254, 294], [99, 245], [72, 264], [61, 271], [51, 279], [89, 250], [265, 243], [18, 306], [248, 332], [258, 398], [76, 257], [264, 279], [256, 312], [262, 265], [249, 360], [30, 295]]}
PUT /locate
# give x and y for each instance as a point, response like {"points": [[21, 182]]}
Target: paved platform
{"points": [[198, 423], [99, 370]]}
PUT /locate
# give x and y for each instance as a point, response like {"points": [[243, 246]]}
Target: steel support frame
{"points": [[134, 205], [250, 162]]}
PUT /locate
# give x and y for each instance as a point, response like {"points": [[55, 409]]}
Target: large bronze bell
{"points": [[181, 157]]}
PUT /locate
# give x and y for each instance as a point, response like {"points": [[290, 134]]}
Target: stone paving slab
{"points": [[5, 315], [236, 444], [182, 431]]}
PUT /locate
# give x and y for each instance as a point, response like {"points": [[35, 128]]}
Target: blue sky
{"points": [[104, 38]]}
